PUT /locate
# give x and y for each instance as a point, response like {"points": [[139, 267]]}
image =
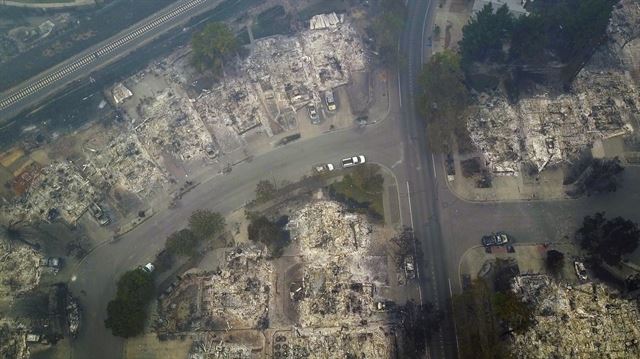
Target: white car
{"points": [[324, 168], [149, 268], [353, 161], [581, 271]]}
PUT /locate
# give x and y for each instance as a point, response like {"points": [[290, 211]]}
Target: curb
{"points": [[513, 200]]}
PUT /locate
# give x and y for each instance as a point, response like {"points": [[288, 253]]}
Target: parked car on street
{"points": [[495, 239], [328, 167], [149, 268], [353, 161]]}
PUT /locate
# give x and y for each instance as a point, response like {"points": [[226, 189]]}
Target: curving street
{"points": [[445, 225]]}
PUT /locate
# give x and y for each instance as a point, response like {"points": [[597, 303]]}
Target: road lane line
{"points": [[410, 209], [433, 162], [455, 327], [399, 88]]}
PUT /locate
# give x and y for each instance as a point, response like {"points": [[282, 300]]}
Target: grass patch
{"points": [[361, 190], [272, 21]]}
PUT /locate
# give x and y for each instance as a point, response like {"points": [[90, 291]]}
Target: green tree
{"points": [[578, 26], [478, 328], [484, 35], [265, 191], [211, 46], [529, 39], [607, 240], [517, 314], [444, 98], [387, 27], [127, 313], [262, 230], [368, 179], [135, 286], [604, 176], [206, 224], [125, 319], [183, 242]]}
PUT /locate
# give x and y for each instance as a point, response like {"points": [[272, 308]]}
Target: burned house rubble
{"points": [[174, 126], [260, 93], [234, 297], [338, 283], [20, 270], [58, 191], [323, 301], [603, 102], [335, 342], [297, 69], [545, 131], [13, 341], [118, 159], [582, 321], [171, 120]]}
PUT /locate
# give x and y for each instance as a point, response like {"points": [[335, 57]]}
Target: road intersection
{"points": [[445, 225]]}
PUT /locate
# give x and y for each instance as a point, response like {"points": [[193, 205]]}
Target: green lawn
{"points": [[361, 200]]}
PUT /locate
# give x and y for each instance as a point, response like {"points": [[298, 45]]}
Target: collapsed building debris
{"points": [[64, 314], [58, 191], [297, 69], [212, 346], [327, 232], [172, 126], [333, 301], [324, 21], [120, 93], [548, 131], [334, 342], [73, 315], [603, 102], [337, 281], [20, 270], [236, 296], [233, 104], [281, 75], [13, 341], [119, 159], [584, 321]]}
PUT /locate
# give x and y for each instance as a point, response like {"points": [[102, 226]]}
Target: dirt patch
{"points": [[150, 347]]}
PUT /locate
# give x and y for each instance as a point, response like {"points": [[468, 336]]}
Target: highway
{"points": [[38, 88]]}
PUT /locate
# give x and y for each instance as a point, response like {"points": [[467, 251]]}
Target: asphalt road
{"points": [[446, 225], [80, 66], [421, 181], [96, 276]]}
